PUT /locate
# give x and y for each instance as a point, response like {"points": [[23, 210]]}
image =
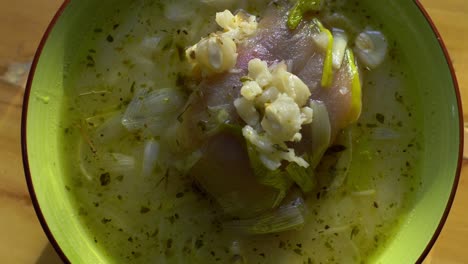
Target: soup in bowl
{"points": [[242, 132]]}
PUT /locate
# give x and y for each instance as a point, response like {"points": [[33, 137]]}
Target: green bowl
{"points": [[429, 64]]}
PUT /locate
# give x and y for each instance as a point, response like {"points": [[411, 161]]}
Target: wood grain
{"points": [[22, 23]]}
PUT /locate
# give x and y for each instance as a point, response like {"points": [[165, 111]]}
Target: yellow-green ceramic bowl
{"points": [[429, 64]]}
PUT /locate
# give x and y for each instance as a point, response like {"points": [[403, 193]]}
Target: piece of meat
{"points": [[274, 42]]}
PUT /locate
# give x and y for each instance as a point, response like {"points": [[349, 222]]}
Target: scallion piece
{"points": [[286, 217], [300, 8], [276, 178], [356, 102], [303, 177], [324, 33]]}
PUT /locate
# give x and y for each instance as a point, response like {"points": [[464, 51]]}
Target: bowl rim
{"points": [[24, 148]]}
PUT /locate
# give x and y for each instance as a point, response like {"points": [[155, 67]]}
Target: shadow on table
{"points": [[49, 256]]}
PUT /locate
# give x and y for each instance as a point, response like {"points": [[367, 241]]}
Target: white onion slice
{"points": [[340, 42], [118, 162], [287, 217], [150, 156], [153, 111], [371, 48]]}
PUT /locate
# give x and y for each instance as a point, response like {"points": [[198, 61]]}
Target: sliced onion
{"points": [[118, 162], [153, 111], [284, 218], [340, 42], [335, 230], [110, 130], [371, 48], [150, 157], [164, 101], [133, 118]]}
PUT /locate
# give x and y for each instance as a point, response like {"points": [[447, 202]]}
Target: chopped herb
{"points": [[193, 55], [144, 210], [282, 244], [179, 117], [105, 220], [167, 46], [202, 125], [398, 97], [354, 232], [82, 212], [245, 79], [336, 148], [132, 88], [380, 118], [171, 219], [180, 52], [279, 148], [300, 8], [376, 205], [110, 38], [169, 243], [105, 179], [198, 243], [180, 80]]}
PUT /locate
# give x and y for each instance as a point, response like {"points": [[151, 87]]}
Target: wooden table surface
{"points": [[22, 23]]}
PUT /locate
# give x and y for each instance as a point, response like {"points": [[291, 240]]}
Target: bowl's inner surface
{"points": [[429, 115]]}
